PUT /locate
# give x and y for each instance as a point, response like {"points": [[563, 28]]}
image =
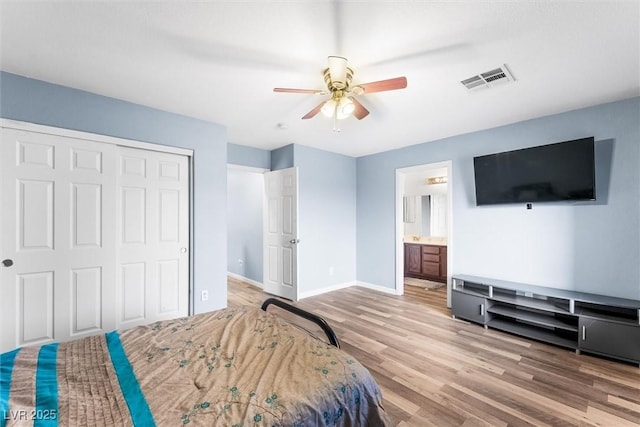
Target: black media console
{"points": [[590, 323]]}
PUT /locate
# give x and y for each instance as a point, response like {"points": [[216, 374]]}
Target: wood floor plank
{"points": [[400, 402], [605, 418], [515, 415], [434, 370], [621, 412], [615, 400]]}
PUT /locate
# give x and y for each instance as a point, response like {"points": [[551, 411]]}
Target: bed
{"points": [[240, 366]]}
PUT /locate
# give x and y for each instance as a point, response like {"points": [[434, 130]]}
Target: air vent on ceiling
{"points": [[488, 78]]}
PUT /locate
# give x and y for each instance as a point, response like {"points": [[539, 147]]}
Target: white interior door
{"points": [[76, 224], [280, 238], [152, 231]]}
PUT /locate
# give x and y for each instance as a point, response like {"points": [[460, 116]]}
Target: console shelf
{"points": [[542, 319], [545, 335], [597, 324], [537, 303]]}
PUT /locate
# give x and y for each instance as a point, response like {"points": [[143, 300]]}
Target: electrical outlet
{"points": [[241, 262], [204, 295]]}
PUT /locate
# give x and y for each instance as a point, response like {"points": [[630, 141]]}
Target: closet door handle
{"points": [[7, 262]]}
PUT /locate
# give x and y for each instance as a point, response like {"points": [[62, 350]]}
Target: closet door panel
{"points": [[153, 228], [55, 226]]}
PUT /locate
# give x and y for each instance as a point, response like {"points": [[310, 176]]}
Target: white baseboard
{"points": [[245, 279], [378, 288], [325, 290]]}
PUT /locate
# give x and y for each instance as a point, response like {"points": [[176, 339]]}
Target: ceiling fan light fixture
{"points": [[343, 103], [329, 108], [346, 107]]}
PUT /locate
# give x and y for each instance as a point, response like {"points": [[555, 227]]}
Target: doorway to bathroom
{"points": [[424, 227]]}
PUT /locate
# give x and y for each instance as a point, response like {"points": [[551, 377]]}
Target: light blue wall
{"points": [[591, 246], [282, 158], [326, 219], [244, 223], [248, 156], [244, 210], [48, 104]]}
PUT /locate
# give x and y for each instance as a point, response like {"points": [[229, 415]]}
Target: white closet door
{"points": [[54, 193], [94, 236], [153, 236]]}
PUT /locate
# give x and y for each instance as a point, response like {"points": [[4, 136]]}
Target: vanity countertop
{"points": [[426, 240]]}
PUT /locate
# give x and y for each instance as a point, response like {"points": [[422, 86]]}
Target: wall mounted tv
{"points": [[564, 171]]}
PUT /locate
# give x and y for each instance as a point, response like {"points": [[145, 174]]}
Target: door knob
{"points": [[294, 241], [7, 262]]}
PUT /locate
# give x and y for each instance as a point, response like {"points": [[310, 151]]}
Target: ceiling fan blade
{"points": [[382, 85], [360, 112], [313, 112], [287, 90]]}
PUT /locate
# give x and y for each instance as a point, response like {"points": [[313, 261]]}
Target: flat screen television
{"points": [[564, 171]]}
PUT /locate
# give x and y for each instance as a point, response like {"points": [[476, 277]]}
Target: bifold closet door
{"points": [[152, 231], [85, 249]]}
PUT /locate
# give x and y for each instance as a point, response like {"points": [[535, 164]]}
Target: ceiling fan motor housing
{"points": [[335, 82]]}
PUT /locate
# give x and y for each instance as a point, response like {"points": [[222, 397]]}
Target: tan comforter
{"points": [[233, 367]]}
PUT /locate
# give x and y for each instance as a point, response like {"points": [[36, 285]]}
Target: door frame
{"points": [[400, 182], [105, 139]]}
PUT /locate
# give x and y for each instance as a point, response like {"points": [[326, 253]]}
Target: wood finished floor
{"points": [[437, 371]]}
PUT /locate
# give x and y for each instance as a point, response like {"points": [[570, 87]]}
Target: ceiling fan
{"points": [[343, 103]]}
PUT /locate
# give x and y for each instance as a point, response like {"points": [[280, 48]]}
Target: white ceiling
{"points": [[220, 60]]}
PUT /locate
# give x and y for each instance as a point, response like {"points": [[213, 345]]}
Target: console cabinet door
{"points": [[469, 307], [610, 338]]}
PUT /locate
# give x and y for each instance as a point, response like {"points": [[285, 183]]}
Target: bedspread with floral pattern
{"points": [[232, 367]]}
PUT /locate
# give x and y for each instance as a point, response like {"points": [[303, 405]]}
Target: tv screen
{"points": [[547, 173]]}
